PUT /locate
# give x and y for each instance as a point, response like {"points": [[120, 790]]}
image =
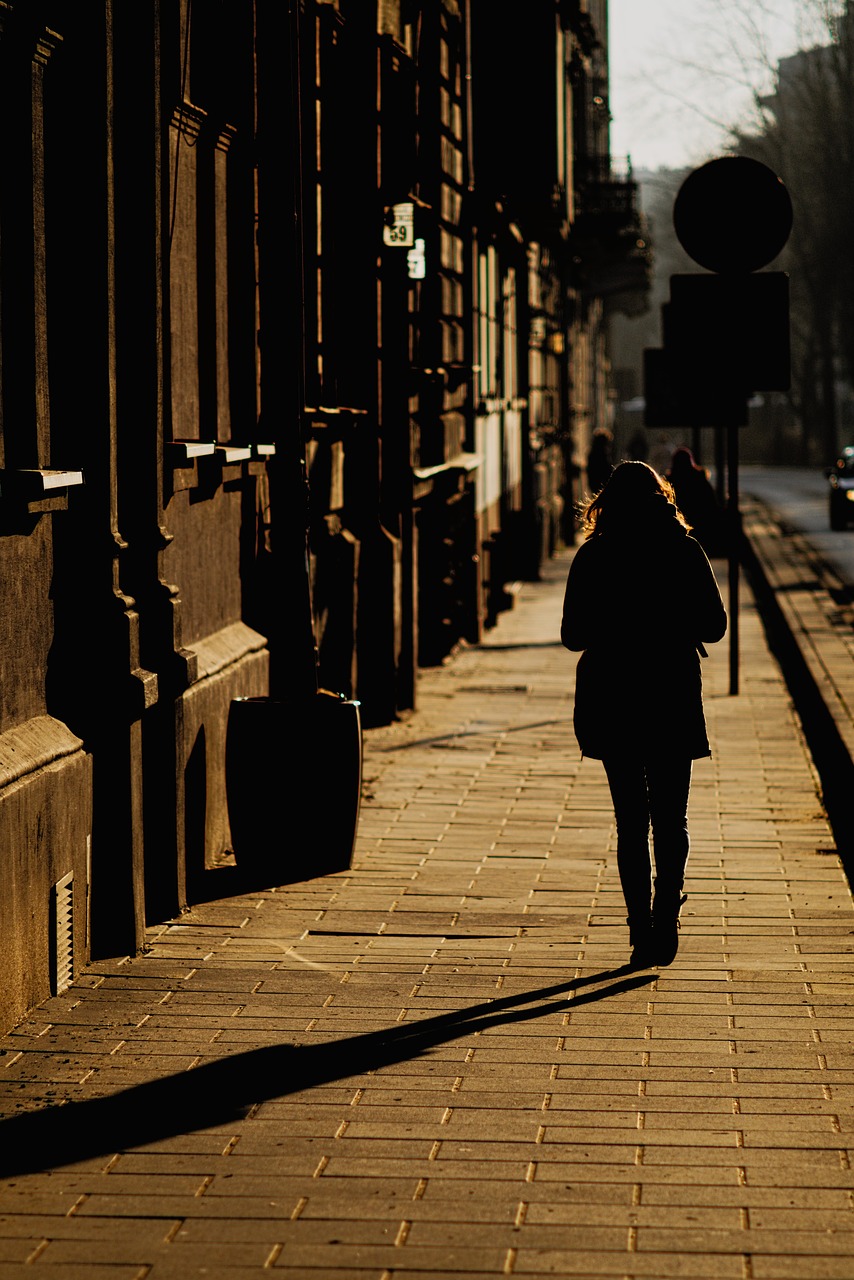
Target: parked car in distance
{"points": [[840, 477]]}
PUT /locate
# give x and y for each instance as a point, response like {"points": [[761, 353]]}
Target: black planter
{"points": [[293, 783]]}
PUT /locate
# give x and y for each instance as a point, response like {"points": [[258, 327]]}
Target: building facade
{"points": [[303, 318]]}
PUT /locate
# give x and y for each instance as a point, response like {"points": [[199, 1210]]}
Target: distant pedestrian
{"points": [[641, 598], [638, 449], [697, 500], [600, 459], [660, 452]]}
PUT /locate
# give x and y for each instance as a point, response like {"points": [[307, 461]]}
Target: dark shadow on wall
{"points": [[225, 1090], [195, 814]]}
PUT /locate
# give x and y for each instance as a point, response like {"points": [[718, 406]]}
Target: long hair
{"points": [[633, 498]]}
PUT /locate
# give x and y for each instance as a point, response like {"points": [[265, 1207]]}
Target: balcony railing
{"points": [[609, 244], [607, 190]]}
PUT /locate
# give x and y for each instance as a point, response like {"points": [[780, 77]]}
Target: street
{"points": [[799, 497]]}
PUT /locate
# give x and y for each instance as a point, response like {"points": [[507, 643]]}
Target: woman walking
{"points": [[600, 461], [641, 599], [696, 499]]}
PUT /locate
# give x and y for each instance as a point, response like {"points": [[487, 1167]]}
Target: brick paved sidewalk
{"points": [[435, 1064]]}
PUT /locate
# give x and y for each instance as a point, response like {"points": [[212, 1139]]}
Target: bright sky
{"points": [[682, 71]]}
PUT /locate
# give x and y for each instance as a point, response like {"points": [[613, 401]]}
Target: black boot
{"points": [[641, 939], [665, 918]]}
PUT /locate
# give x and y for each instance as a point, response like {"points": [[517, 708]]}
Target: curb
{"points": [[802, 604]]}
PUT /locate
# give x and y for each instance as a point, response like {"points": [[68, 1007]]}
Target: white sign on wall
{"points": [[416, 261], [399, 229]]}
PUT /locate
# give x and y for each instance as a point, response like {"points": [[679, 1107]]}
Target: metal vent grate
{"points": [[62, 948]]}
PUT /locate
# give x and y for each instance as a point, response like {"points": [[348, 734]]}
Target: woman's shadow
{"points": [[225, 1090]]}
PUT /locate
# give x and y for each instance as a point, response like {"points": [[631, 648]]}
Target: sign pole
{"points": [[732, 216], [726, 332], [734, 540]]}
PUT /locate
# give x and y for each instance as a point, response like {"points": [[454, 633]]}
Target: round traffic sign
{"points": [[732, 215]]}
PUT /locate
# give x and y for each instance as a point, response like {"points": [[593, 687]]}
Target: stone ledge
{"points": [[219, 650], [34, 744]]}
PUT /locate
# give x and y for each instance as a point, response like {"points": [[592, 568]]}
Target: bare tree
{"points": [[806, 134]]}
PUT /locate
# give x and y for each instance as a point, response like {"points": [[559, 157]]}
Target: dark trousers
{"points": [[647, 795]]}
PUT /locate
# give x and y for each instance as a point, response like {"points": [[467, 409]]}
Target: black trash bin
{"points": [[293, 783]]}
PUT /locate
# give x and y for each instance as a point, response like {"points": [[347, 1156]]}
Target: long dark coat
{"points": [[640, 605]]}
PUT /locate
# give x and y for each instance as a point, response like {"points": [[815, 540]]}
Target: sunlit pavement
{"points": [[436, 1063]]}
